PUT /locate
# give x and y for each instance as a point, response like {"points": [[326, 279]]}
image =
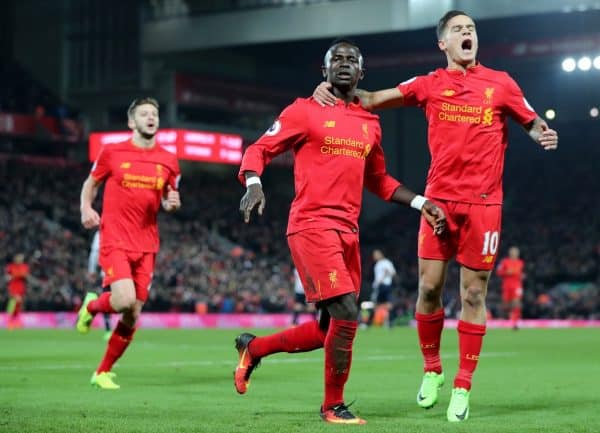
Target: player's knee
{"points": [[344, 307], [352, 311], [429, 292], [474, 296]]}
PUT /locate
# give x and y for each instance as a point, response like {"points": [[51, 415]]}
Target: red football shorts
{"points": [[328, 262], [512, 294], [120, 264], [472, 235], [17, 289]]}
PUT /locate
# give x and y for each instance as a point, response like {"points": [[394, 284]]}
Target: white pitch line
{"points": [[231, 362]]}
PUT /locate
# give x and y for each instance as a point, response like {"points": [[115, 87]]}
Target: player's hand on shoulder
{"points": [[89, 218], [323, 95], [173, 201], [435, 217], [254, 196], [546, 137]]}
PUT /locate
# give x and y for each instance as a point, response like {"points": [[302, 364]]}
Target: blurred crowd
{"points": [[210, 261], [25, 95]]}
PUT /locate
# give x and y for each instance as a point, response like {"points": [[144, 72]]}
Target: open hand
{"points": [[254, 196]]}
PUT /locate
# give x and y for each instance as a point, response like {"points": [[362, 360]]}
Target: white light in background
{"points": [[597, 62], [594, 112], [569, 64], [584, 63], [550, 114]]}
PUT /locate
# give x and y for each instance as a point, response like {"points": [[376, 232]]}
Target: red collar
{"points": [[354, 104], [471, 69]]}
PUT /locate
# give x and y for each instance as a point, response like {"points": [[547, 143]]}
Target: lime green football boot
{"points": [[430, 389], [458, 409], [85, 318], [104, 380]]}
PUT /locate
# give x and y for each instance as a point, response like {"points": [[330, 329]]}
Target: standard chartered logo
{"points": [[345, 147], [474, 114]]}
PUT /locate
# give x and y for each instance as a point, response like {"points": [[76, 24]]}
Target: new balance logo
{"points": [[448, 92], [329, 124]]}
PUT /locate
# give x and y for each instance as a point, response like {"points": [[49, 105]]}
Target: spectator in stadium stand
{"points": [[510, 270], [383, 279], [337, 152], [139, 176], [467, 106]]}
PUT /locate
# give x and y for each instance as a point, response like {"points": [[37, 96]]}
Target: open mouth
{"points": [[467, 45], [344, 75]]}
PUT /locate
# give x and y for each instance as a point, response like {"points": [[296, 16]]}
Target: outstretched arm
{"points": [[386, 187], [387, 98], [541, 133]]}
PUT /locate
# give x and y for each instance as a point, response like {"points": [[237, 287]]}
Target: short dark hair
{"points": [[141, 101], [444, 21], [343, 40]]}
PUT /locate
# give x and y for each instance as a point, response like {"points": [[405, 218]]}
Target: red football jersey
{"points": [[468, 131], [18, 273], [337, 152], [511, 272], [136, 179]]}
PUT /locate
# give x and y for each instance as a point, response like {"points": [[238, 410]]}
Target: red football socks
{"points": [[470, 339], [118, 342], [338, 359], [101, 305], [429, 328], [16, 309], [302, 338], [515, 315]]}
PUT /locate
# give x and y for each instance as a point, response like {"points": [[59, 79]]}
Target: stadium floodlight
{"points": [[584, 63], [550, 114], [594, 112], [597, 62], [569, 64]]}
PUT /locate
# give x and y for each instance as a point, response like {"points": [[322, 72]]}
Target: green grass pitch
{"points": [[533, 380]]}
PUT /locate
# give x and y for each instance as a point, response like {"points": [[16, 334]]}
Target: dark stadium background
{"points": [[70, 67]]}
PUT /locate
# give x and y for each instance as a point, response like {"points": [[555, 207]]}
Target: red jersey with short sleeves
{"points": [[511, 272], [468, 132], [18, 273], [136, 180], [337, 151]]}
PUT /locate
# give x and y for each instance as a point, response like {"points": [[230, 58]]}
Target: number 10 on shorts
{"points": [[490, 243]]}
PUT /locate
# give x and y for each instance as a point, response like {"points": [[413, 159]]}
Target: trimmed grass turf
{"points": [[538, 380]]}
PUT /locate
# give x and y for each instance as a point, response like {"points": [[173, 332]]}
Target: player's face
{"points": [[343, 68], [145, 120], [459, 40], [513, 253]]}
